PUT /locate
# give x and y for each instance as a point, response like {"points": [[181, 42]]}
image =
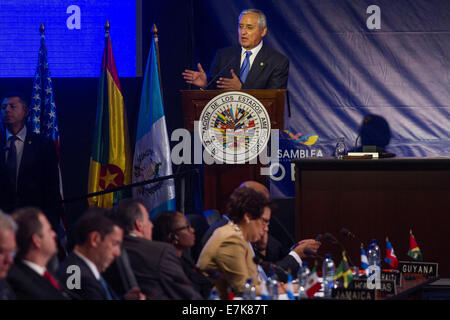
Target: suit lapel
{"points": [[257, 67], [236, 65], [27, 155]]}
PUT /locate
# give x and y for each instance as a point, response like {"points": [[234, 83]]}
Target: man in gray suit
{"points": [[155, 264]]}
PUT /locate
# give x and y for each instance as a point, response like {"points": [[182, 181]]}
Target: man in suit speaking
{"points": [[253, 65]]}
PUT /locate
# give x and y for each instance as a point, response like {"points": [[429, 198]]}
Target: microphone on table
{"points": [[335, 241], [260, 261], [347, 233]]}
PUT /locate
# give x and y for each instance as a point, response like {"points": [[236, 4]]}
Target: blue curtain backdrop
{"points": [[341, 72]]}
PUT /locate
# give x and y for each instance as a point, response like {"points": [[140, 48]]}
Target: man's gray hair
{"points": [[6, 222], [262, 21]]}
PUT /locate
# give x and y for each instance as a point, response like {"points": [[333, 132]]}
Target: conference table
{"points": [[375, 199]]}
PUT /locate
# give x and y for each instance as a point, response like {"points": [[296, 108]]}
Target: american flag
{"points": [[42, 117]]}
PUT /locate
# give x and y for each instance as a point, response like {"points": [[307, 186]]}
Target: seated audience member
{"points": [[155, 264], [97, 243], [36, 242], [268, 247], [7, 250], [173, 227], [229, 251]]}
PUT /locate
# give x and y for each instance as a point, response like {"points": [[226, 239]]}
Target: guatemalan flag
{"points": [[390, 258], [152, 152], [364, 260]]}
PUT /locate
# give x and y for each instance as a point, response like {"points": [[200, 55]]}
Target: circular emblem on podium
{"points": [[234, 127]]}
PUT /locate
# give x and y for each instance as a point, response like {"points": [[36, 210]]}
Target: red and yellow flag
{"points": [[110, 163]]}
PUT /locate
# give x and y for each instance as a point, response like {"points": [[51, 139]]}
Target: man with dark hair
{"points": [[97, 243], [36, 242], [155, 264], [7, 250], [28, 163], [252, 65]]}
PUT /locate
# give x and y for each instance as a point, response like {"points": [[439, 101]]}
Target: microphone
{"points": [[347, 233], [333, 240], [260, 261], [219, 73], [366, 121]]}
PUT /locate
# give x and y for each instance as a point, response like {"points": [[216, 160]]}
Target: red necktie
{"points": [[52, 280]]}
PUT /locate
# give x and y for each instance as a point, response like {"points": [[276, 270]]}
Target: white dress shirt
{"points": [[254, 51], [39, 270], [90, 264]]}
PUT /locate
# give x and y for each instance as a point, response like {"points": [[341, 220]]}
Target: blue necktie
{"points": [[245, 66], [105, 287], [11, 161]]}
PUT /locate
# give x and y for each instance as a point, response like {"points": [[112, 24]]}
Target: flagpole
{"points": [[107, 26], [155, 36], [41, 93]]}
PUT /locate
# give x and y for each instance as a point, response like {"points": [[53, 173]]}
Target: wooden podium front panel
{"points": [[220, 180], [376, 199], [194, 101]]}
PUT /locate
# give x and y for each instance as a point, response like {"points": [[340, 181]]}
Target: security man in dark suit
{"points": [[253, 65], [29, 173]]}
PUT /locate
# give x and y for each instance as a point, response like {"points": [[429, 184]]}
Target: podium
{"points": [[219, 180]]}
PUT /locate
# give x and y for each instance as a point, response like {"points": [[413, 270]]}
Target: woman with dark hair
{"points": [[173, 227], [229, 251]]}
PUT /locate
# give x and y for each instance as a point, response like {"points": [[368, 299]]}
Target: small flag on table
{"points": [[391, 258], [414, 250], [364, 260], [344, 271], [290, 288], [313, 285]]}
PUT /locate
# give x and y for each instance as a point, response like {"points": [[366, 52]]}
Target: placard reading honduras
{"points": [[74, 36]]}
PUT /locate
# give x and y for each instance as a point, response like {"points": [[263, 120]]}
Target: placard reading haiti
{"points": [[234, 127]]}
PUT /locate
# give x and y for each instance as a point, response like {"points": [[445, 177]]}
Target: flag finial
{"points": [[155, 30], [362, 245], [387, 239], [42, 29], [107, 26]]}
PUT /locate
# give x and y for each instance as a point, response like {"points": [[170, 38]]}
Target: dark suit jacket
{"points": [[90, 287], [38, 178], [269, 70], [158, 269], [6, 292], [29, 285], [200, 283]]}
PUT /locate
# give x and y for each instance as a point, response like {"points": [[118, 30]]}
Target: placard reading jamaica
{"points": [[234, 127]]}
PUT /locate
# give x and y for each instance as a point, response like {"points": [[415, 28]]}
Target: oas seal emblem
{"points": [[234, 127]]}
